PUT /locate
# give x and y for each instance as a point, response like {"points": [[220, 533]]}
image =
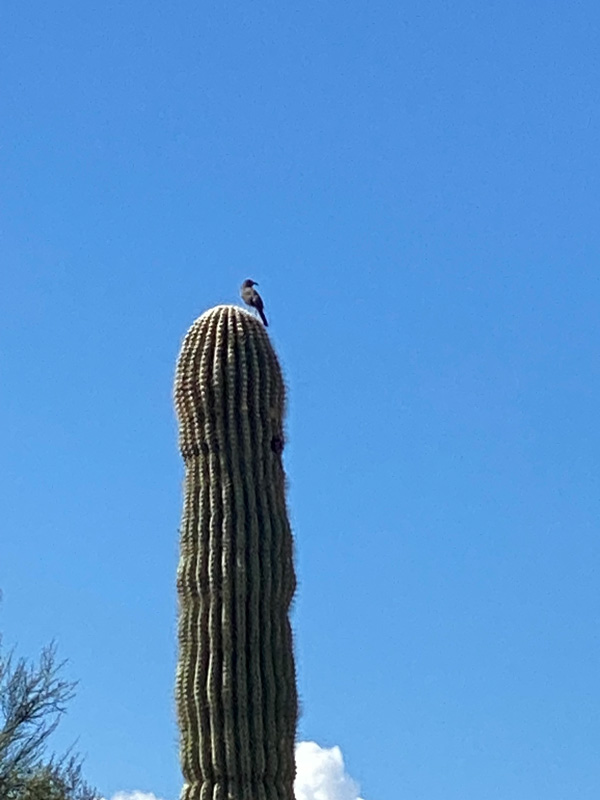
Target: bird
{"points": [[252, 298]]}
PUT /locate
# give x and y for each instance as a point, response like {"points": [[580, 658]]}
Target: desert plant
{"points": [[235, 688], [33, 698]]}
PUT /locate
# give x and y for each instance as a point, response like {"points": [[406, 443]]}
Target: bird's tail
{"points": [[262, 316]]}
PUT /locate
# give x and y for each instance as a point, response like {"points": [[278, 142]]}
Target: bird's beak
{"points": [[255, 283]]}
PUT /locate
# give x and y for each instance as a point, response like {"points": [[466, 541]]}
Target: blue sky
{"points": [[416, 188]]}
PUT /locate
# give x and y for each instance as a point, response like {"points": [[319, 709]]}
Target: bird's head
{"points": [[249, 283]]}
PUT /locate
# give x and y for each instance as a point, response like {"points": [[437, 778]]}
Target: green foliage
{"points": [[62, 781], [236, 688], [32, 700]]}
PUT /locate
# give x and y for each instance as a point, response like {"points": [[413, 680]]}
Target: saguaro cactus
{"points": [[236, 688]]}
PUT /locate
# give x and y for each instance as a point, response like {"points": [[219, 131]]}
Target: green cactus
{"points": [[236, 686]]}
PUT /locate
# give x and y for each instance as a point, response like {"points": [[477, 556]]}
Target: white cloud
{"points": [[320, 774], [134, 796]]}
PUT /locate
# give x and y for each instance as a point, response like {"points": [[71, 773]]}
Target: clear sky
{"points": [[416, 188]]}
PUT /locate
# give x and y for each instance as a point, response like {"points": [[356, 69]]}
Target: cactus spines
{"points": [[236, 687]]}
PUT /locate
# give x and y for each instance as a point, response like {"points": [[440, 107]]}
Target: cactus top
{"points": [[227, 360]]}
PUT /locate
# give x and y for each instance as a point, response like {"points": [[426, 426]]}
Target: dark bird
{"points": [[252, 298]]}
